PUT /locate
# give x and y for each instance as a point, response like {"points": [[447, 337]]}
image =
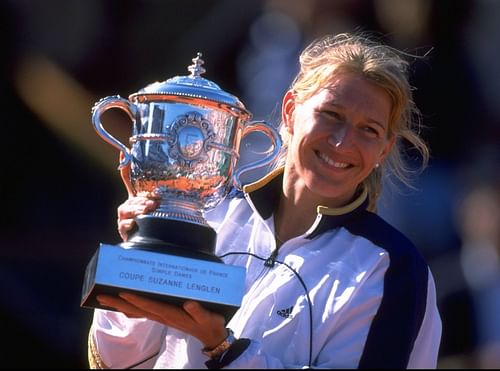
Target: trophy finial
{"points": [[196, 69]]}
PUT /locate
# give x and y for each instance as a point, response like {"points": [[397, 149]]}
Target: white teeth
{"points": [[329, 161]]}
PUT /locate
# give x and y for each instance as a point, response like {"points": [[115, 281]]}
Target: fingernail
{"points": [[100, 299], [125, 295], [189, 305]]}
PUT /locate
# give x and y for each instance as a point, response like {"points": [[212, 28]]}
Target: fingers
{"points": [[192, 318], [196, 311], [212, 324], [121, 305], [168, 314], [124, 227], [131, 208], [136, 206]]}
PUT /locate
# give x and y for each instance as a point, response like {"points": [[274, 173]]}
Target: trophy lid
{"points": [[192, 86]]}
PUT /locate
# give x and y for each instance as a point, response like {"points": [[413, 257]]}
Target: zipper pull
{"points": [[271, 260]]}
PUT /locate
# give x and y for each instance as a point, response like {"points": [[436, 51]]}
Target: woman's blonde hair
{"points": [[385, 67]]}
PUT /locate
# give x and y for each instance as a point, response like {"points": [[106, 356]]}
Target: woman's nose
{"points": [[339, 134]]}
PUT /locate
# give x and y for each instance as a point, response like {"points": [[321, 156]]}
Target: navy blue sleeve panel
{"points": [[396, 325]]}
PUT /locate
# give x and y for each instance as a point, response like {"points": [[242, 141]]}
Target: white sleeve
{"points": [[426, 347], [116, 341]]}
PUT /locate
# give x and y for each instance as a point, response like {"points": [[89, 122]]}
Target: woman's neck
{"points": [[296, 209], [291, 220], [298, 205]]}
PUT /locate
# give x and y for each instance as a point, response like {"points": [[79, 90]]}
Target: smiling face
{"points": [[337, 137]]}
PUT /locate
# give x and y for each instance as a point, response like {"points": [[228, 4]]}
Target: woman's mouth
{"points": [[331, 162]]}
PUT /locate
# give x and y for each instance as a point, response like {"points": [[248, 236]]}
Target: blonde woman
{"points": [[329, 283]]}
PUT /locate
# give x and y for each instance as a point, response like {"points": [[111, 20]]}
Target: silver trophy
{"points": [[186, 135]]}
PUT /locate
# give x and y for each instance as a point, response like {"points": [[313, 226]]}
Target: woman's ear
{"points": [[287, 110]]}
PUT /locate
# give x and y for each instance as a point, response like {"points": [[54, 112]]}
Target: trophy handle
{"points": [[103, 105], [273, 135]]}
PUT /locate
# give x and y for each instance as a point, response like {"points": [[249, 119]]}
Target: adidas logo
{"points": [[286, 313]]}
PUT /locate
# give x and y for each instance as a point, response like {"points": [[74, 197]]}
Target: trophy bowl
{"points": [[183, 150]]}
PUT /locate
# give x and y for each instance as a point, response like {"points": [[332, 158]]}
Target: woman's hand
{"points": [[127, 211], [191, 318], [133, 206]]}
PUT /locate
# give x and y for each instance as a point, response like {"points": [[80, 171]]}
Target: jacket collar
{"points": [[264, 195]]}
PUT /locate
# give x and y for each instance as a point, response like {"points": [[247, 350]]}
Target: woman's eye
{"points": [[371, 131], [330, 114]]}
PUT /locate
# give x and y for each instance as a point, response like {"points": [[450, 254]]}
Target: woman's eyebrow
{"points": [[366, 118]]}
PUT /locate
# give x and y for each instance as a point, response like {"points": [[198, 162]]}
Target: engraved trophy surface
{"points": [[186, 133]]}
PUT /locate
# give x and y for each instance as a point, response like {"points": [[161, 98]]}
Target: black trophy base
{"points": [[183, 268]]}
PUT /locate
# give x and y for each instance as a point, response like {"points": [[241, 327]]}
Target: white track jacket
{"points": [[352, 292]]}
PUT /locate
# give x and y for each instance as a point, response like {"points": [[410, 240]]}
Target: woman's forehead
{"points": [[354, 87]]}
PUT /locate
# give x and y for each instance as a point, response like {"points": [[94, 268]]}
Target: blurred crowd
{"points": [[60, 183]]}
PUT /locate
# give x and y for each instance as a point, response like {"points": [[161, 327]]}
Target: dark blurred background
{"points": [[60, 184]]}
